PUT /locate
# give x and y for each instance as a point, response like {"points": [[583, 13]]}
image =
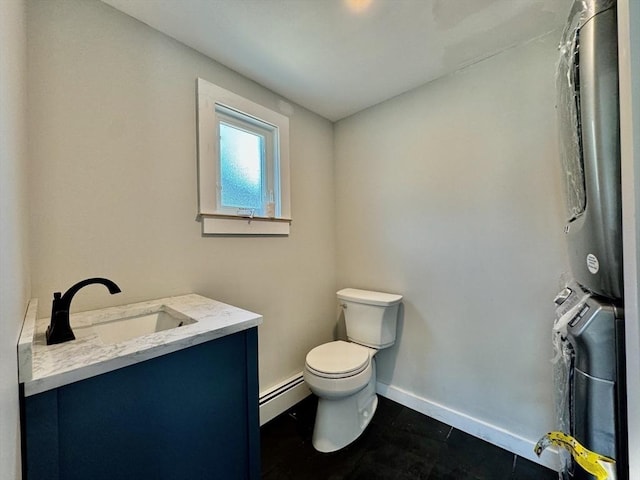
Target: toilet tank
{"points": [[370, 317]]}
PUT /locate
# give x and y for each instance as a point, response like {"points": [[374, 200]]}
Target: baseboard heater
{"points": [[281, 397]]}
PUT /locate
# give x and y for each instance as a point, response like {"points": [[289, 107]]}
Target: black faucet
{"points": [[59, 330]]}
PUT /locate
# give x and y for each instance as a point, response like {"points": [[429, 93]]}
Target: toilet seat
{"points": [[338, 359]]}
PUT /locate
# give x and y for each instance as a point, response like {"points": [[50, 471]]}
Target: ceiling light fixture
{"points": [[358, 6]]}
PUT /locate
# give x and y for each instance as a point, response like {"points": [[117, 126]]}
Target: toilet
{"points": [[343, 374]]}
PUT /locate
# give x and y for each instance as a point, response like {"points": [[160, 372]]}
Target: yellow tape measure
{"points": [[595, 464]]}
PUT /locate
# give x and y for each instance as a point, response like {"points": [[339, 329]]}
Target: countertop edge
{"points": [[217, 325], [41, 385], [25, 342]]}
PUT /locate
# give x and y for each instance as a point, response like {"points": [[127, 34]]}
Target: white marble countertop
{"points": [[43, 367]]}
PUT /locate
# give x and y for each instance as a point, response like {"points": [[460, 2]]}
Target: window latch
{"points": [[246, 212]]}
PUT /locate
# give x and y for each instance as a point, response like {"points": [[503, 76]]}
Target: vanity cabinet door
{"points": [[191, 414]]}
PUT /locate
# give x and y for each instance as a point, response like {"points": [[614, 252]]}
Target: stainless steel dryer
{"points": [[588, 114]]}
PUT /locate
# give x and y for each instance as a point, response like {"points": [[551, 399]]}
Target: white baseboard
{"points": [[282, 396], [516, 444]]}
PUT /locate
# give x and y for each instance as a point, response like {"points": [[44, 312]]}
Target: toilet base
{"points": [[341, 421]]}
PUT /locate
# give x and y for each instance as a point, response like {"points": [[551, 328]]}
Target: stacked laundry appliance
{"points": [[589, 326]]}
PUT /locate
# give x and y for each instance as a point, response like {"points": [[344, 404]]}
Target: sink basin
{"points": [[126, 328]]}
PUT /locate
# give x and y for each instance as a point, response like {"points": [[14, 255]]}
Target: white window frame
{"points": [[216, 105]]}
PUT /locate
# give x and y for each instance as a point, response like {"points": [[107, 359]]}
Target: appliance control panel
{"points": [[569, 297], [583, 311]]}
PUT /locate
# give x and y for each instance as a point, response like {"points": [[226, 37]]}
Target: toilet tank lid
{"points": [[369, 297]]}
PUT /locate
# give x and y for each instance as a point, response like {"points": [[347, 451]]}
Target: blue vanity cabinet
{"points": [[190, 414]]}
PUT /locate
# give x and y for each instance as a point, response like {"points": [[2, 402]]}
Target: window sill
{"points": [[234, 225]]}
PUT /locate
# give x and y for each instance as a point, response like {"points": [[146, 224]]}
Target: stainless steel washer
{"points": [[592, 340]]}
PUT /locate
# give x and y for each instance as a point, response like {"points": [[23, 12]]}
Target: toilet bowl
{"points": [[343, 374]]}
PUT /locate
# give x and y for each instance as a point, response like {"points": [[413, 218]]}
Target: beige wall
{"points": [[450, 195], [14, 214], [113, 182]]}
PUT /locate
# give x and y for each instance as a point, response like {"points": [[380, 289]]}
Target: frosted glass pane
{"points": [[240, 168]]}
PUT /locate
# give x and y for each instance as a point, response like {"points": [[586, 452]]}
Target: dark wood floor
{"points": [[398, 444]]}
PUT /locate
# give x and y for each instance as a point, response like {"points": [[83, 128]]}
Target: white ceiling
{"points": [[335, 60]]}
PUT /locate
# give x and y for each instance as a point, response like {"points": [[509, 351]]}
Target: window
{"points": [[243, 165]]}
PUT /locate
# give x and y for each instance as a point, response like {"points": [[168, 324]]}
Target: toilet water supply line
{"points": [[603, 468]]}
